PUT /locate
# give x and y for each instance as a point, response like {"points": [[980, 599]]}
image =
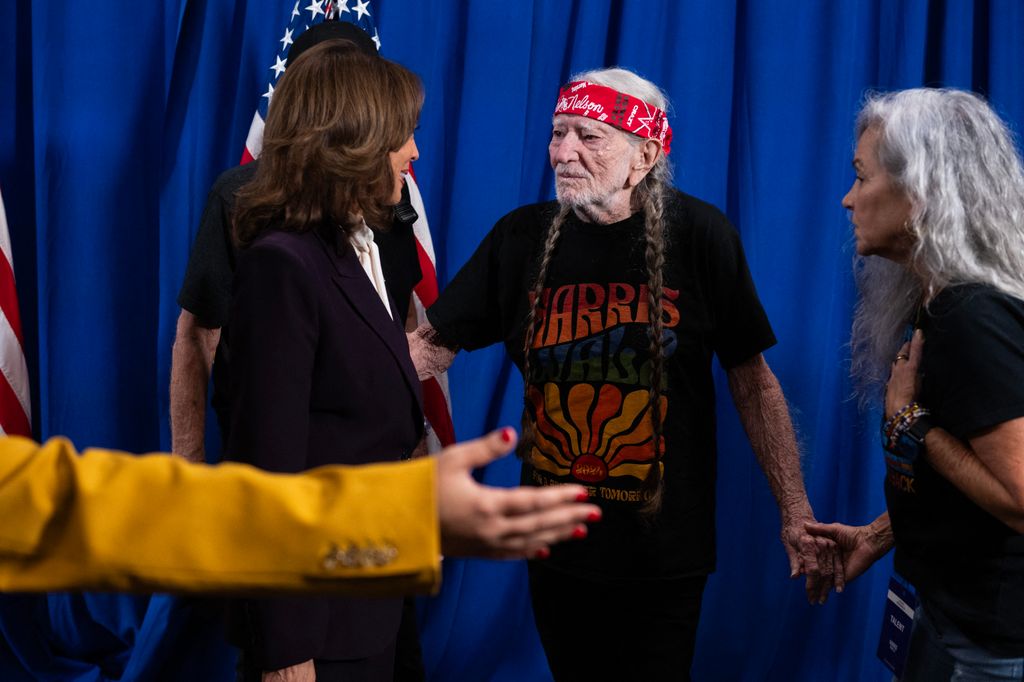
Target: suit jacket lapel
{"points": [[351, 280]]}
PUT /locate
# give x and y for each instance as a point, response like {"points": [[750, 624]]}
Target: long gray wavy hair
{"points": [[956, 161], [649, 197]]}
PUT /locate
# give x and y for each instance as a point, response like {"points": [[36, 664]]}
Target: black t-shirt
{"points": [[206, 290], [962, 559], [590, 369]]}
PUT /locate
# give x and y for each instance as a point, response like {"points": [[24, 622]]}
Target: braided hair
{"points": [[554, 231], [649, 198]]}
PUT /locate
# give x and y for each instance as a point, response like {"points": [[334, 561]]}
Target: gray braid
{"points": [[550, 241], [650, 195]]}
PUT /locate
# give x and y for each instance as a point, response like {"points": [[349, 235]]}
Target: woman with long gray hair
{"points": [[938, 213]]}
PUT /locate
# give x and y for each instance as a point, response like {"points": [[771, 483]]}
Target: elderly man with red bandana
{"points": [[612, 301]]}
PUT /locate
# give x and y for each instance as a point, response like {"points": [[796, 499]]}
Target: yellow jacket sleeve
{"points": [[113, 521]]}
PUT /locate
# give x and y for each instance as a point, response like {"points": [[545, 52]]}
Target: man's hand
{"points": [[300, 672], [503, 523], [859, 546], [812, 556], [765, 416], [429, 353]]}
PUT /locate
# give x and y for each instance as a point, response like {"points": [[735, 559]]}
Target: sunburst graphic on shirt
{"points": [[592, 434]]}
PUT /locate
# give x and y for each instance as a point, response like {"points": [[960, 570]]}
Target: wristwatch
{"points": [[919, 428]]}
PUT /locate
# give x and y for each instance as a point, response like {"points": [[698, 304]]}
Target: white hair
{"points": [[628, 82], [956, 161], [624, 80]]}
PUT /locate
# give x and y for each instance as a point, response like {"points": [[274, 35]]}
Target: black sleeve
{"points": [[973, 362], [742, 329], [468, 312], [400, 262], [206, 290]]}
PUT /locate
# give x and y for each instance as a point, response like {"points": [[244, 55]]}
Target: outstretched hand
{"points": [[815, 557], [503, 523]]}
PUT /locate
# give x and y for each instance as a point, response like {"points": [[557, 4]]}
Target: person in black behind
{"points": [[938, 213]]}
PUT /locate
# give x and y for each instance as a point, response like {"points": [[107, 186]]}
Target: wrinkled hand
{"points": [[859, 546], [300, 672], [503, 523], [429, 354], [904, 379], [814, 557]]}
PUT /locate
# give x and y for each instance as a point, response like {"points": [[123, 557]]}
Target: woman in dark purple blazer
{"points": [[320, 371]]}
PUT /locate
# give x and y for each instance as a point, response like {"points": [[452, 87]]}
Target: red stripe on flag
{"points": [[435, 409], [426, 288], [9, 299], [12, 416], [246, 157]]}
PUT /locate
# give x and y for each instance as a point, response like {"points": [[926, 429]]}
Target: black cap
{"points": [[330, 30]]}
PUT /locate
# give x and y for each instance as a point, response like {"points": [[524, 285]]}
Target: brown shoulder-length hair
{"points": [[335, 115]]}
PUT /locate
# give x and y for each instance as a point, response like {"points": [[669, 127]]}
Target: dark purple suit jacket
{"points": [[319, 374]]}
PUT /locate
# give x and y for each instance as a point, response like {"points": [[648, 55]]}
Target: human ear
{"points": [[646, 155]]}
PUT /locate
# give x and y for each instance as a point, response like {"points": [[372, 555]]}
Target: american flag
{"points": [[436, 398], [15, 408]]}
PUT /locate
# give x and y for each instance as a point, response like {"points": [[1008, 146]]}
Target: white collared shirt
{"points": [[369, 257]]}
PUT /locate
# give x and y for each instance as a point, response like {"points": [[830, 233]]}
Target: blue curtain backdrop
{"points": [[116, 117]]}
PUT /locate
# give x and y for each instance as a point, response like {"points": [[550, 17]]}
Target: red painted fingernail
{"points": [[579, 532], [506, 434], [582, 497], [594, 516], [542, 553]]}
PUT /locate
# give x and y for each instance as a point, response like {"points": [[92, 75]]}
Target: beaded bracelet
{"points": [[895, 432]]}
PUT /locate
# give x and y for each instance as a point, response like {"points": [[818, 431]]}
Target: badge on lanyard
{"points": [[894, 642]]}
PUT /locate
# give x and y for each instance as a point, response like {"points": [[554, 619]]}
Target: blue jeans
{"points": [[940, 651]]}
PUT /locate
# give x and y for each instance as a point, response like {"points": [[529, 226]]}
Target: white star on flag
{"points": [[295, 10], [278, 66], [270, 92], [287, 40], [314, 9], [343, 7], [360, 9], [376, 40]]}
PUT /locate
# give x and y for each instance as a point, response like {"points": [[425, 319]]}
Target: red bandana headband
{"points": [[615, 108]]}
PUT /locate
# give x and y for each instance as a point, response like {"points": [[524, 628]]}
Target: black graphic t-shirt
{"points": [[590, 369], [959, 557]]}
